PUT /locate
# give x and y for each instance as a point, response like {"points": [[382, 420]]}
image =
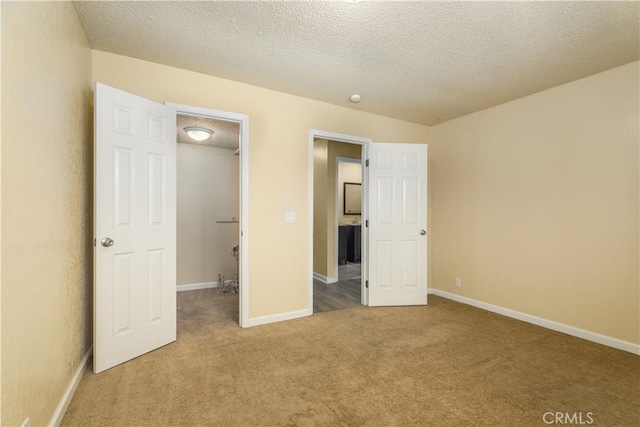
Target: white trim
{"points": [[549, 324], [194, 286], [339, 137], [364, 244], [209, 112], [263, 320], [324, 279], [58, 415], [243, 121]]}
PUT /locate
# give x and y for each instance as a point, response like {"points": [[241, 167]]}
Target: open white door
{"points": [[135, 227], [397, 224]]}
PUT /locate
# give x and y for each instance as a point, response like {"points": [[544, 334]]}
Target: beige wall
{"points": [[278, 162], [1, 215], [320, 153], [534, 204], [207, 190], [347, 172], [46, 238]]}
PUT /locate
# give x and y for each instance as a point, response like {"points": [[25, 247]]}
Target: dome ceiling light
{"points": [[198, 133]]}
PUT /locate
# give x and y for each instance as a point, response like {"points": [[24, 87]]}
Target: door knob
{"points": [[423, 232], [107, 242]]}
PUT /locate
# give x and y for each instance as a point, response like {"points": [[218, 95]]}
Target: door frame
{"points": [[349, 139], [243, 238]]}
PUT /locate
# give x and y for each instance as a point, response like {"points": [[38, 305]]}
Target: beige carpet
{"points": [[442, 365]]}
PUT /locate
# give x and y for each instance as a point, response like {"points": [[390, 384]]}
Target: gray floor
{"points": [[343, 294], [349, 271]]}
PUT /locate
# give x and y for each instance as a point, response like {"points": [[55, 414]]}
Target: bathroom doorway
{"points": [[338, 190]]}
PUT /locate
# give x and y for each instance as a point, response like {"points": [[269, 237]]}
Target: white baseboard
{"points": [[539, 321], [194, 286], [325, 279], [263, 320], [71, 389]]}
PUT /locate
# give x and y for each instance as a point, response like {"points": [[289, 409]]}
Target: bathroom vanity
{"points": [[349, 243]]}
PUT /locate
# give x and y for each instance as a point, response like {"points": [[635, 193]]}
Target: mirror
{"points": [[352, 198]]}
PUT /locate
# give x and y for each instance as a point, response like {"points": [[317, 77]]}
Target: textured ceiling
{"points": [[425, 62], [225, 134]]}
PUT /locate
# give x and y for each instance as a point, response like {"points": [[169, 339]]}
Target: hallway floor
{"points": [[343, 294]]}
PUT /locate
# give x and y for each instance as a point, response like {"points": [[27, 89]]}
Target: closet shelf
{"points": [[227, 219]]}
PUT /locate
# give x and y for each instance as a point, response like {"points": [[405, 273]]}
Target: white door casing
{"points": [[350, 139], [397, 224], [135, 206]]}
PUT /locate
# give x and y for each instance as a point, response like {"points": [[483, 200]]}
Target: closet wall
{"points": [[208, 192]]}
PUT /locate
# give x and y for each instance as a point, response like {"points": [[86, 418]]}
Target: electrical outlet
{"points": [[458, 282], [26, 423]]}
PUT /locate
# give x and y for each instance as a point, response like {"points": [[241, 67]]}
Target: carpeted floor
{"points": [[446, 364]]}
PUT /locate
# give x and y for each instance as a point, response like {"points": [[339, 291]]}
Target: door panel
{"points": [[398, 250], [134, 205]]}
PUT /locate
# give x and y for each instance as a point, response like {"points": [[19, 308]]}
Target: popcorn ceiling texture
{"points": [[46, 210], [424, 62]]}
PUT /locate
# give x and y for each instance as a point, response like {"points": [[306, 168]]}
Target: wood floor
{"points": [[343, 294]]}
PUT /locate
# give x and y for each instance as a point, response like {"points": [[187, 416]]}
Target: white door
{"points": [[397, 224], [135, 227]]}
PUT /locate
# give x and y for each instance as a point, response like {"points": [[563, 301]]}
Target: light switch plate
{"points": [[290, 217]]}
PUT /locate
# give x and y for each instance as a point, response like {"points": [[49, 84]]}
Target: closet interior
{"points": [[208, 197]]}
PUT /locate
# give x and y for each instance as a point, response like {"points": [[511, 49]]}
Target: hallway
{"points": [[343, 294]]}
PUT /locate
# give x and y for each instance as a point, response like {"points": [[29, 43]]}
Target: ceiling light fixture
{"points": [[355, 98], [198, 133]]}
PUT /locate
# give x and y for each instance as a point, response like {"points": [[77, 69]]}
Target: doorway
{"points": [[135, 223], [212, 202], [338, 254]]}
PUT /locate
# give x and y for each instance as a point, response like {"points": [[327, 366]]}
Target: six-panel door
{"points": [[135, 207], [397, 224]]}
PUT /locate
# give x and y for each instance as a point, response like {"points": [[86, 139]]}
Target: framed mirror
{"points": [[352, 198]]}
